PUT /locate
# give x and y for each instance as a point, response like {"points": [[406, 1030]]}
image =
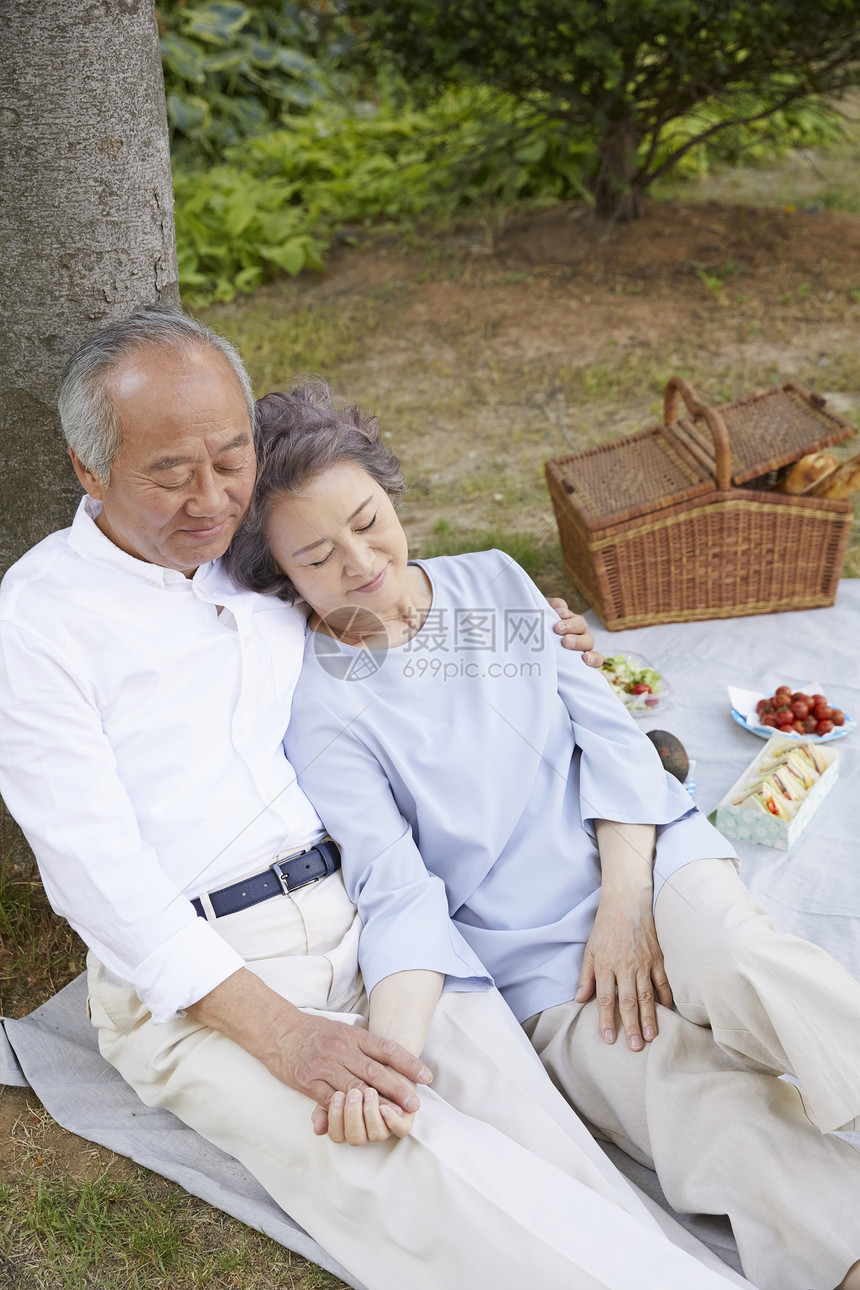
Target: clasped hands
{"points": [[363, 1085], [319, 1057]]}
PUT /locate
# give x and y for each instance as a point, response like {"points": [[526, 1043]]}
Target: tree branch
{"points": [[674, 157]]}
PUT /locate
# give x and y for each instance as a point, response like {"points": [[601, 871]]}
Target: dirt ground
{"points": [[494, 346], [497, 346]]}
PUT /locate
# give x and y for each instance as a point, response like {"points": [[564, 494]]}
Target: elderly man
{"points": [[144, 700]]}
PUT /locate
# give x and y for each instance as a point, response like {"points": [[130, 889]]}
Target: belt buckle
{"points": [[275, 867]]}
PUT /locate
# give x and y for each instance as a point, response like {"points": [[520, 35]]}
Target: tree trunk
{"points": [[86, 223], [615, 195]]}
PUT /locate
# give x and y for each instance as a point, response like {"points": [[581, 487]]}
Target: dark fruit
{"points": [[671, 752]]}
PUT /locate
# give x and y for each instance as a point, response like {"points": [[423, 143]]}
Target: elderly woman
{"points": [[495, 803]]}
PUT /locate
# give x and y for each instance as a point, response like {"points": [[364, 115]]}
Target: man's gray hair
{"points": [[87, 414]]}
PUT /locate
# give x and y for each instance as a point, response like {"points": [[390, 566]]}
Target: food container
{"points": [[756, 826], [625, 667]]}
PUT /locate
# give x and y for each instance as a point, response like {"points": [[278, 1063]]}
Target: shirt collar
{"points": [[210, 582], [87, 539], [214, 584]]}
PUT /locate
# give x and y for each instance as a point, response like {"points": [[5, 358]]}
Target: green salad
{"points": [[637, 685]]}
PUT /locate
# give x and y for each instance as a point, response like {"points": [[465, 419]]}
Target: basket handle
{"points": [[676, 389]]}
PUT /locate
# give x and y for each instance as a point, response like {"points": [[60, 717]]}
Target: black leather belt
{"points": [[280, 878]]}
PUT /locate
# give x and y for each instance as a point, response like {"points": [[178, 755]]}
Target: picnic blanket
{"points": [[812, 891]]}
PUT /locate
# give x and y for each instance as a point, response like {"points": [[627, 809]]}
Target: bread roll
{"points": [[806, 473], [842, 482]]}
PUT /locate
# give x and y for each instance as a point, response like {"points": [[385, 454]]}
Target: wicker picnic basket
{"points": [[678, 522]]}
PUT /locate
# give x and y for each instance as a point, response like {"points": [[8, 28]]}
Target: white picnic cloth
{"points": [[813, 890]]}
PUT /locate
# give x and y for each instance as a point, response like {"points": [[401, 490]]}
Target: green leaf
{"points": [[293, 60], [247, 279], [534, 150], [182, 58], [228, 60], [239, 213], [224, 291], [264, 53], [247, 114], [290, 257], [188, 113], [216, 23]]}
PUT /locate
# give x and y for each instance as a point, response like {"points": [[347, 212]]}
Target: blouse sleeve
{"points": [[403, 907], [621, 777]]}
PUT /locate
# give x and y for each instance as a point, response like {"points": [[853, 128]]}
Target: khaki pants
{"points": [[702, 1105], [499, 1185]]}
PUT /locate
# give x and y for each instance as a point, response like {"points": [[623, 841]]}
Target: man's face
{"points": [[185, 473]]}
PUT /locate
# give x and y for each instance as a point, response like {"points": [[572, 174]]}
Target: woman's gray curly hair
{"points": [[299, 434]]}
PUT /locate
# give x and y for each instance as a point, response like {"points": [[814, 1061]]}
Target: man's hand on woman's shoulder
{"points": [[573, 629]]}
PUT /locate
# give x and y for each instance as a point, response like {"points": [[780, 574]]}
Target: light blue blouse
{"points": [[461, 774]]}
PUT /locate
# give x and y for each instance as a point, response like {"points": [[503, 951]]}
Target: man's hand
{"points": [[623, 955], [321, 1057], [401, 1009], [315, 1055], [574, 632]]}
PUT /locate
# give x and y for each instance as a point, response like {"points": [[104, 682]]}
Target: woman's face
{"points": [[340, 543]]}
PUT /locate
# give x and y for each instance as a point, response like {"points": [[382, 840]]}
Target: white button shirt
{"points": [[141, 720]]}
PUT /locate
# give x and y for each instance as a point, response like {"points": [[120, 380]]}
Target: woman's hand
{"points": [[623, 958], [401, 1009], [358, 1118], [622, 955], [574, 632]]}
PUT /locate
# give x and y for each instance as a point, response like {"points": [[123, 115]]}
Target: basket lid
{"points": [[767, 430], [630, 476]]}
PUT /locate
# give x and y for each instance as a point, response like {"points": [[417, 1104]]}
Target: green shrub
{"points": [[279, 198], [796, 125], [623, 71], [232, 70]]}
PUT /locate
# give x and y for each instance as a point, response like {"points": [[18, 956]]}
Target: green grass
{"points": [[282, 337], [56, 1234], [39, 952], [540, 557]]}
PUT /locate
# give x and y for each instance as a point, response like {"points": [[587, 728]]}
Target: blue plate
{"points": [[765, 732]]}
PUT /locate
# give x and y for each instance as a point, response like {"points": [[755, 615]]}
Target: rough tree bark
{"points": [[86, 223], [615, 196]]}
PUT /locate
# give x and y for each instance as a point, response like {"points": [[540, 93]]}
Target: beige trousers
{"points": [[702, 1104], [499, 1185]]}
